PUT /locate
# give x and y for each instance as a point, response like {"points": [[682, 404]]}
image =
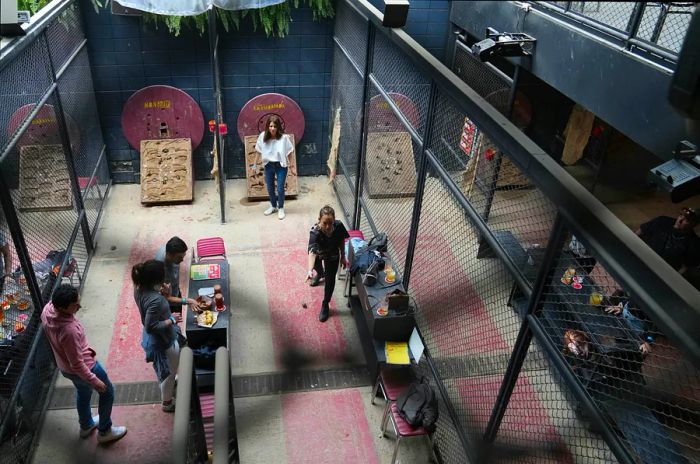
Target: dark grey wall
{"points": [[621, 89]]}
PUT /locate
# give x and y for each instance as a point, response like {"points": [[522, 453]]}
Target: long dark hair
{"points": [[278, 122], [148, 274]]}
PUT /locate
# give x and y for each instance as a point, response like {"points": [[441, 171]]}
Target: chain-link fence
{"points": [[542, 345], [53, 183], [653, 29]]}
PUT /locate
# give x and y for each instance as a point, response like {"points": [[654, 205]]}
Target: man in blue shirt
{"points": [[172, 254]]}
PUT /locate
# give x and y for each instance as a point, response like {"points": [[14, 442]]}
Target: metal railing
{"points": [[655, 30], [189, 443], [225, 435], [51, 136], [482, 237]]}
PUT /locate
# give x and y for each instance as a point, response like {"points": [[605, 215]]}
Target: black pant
{"points": [[327, 268]]}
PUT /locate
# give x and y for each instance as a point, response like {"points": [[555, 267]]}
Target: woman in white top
{"points": [[275, 147]]}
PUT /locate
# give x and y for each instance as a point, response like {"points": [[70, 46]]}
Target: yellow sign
{"points": [[271, 106], [157, 104]]}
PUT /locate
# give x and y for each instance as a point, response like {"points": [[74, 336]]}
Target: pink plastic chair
{"points": [[210, 248]]}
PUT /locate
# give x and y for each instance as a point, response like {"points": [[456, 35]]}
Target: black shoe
{"points": [[325, 312], [315, 280]]}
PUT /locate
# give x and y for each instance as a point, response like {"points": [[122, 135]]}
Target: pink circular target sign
{"points": [[383, 119], [162, 112], [43, 130], [254, 114]]}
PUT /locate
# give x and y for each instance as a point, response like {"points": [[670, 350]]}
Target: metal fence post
{"points": [[420, 187], [216, 81], [522, 343], [68, 153], [359, 177], [634, 22]]}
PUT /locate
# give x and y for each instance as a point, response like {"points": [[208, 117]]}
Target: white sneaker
{"points": [[84, 433], [113, 434], [270, 210], [280, 214]]}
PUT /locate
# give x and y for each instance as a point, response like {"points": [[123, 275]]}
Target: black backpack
{"points": [[418, 405]]}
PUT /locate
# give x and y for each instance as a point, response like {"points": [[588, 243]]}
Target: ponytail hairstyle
{"points": [[326, 211], [148, 274], [278, 123]]}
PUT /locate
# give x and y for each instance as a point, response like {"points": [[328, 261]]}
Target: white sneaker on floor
{"points": [[84, 433], [280, 214], [113, 434], [269, 210]]}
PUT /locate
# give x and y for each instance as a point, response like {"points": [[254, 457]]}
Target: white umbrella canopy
{"points": [[194, 7]]}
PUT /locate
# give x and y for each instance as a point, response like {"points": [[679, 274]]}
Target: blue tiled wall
{"points": [[127, 56], [428, 23]]}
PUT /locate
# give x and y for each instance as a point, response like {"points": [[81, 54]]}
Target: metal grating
{"points": [[402, 81], [64, 35], [275, 383], [351, 32]]}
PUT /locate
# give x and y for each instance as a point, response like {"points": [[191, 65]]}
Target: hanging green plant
{"points": [[274, 19]]}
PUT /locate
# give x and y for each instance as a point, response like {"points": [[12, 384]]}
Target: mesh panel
{"points": [[613, 14], [482, 78], [544, 422], [343, 190], [64, 34], [517, 212], [666, 25], [22, 83], [78, 101], [639, 379], [409, 89], [462, 307], [351, 31], [347, 98], [389, 186]]}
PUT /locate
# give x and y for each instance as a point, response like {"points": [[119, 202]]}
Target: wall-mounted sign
{"points": [[254, 114]]}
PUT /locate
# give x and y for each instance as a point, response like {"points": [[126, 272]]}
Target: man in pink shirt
{"points": [[76, 360]]}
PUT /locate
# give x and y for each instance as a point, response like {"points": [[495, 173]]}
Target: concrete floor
{"points": [[267, 259]]}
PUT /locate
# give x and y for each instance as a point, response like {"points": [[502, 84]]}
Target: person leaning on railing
{"points": [[674, 239]]}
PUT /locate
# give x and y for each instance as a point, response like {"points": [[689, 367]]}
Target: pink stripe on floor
{"points": [[526, 422], [293, 326], [327, 427], [126, 361], [458, 318]]}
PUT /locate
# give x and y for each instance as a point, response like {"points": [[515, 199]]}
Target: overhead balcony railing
{"points": [[653, 30]]}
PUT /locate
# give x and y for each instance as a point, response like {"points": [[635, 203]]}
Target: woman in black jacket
{"points": [[326, 253]]}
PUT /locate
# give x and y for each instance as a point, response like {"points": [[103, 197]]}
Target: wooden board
{"points": [[166, 171], [256, 179], [577, 132], [44, 184], [391, 167]]}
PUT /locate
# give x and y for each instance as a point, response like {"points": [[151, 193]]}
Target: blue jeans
{"points": [[274, 169], [84, 394]]}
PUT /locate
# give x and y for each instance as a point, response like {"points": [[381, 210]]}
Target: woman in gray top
{"points": [[159, 336]]}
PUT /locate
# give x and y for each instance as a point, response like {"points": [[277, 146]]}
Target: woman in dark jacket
{"points": [[326, 253], [159, 337]]}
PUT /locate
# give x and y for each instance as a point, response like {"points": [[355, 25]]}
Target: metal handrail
{"points": [[181, 426], [225, 436]]}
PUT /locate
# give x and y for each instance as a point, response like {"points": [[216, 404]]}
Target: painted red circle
{"points": [[162, 112], [254, 114], [43, 130], [383, 119]]}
